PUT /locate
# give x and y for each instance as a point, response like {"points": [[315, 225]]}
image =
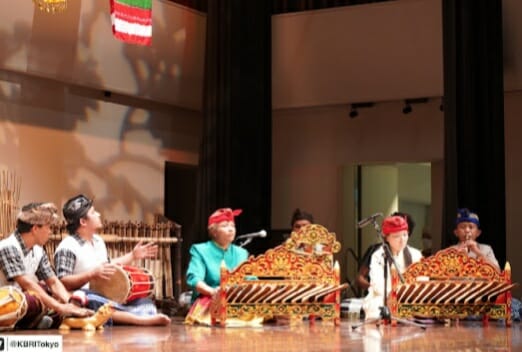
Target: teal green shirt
{"points": [[205, 263]]}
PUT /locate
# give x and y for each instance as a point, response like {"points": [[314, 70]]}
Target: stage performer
{"points": [[467, 230], [363, 278], [203, 273], [395, 235], [25, 265], [82, 256], [300, 218]]}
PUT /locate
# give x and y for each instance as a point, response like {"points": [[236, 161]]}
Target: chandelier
{"points": [[51, 6]]}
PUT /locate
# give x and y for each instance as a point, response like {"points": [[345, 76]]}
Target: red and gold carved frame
{"points": [[304, 261], [452, 285]]}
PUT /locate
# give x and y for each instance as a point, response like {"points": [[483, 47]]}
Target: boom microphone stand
{"points": [[385, 314], [245, 242], [247, 238]]}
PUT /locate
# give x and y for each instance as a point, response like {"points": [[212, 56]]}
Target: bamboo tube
{"points": [[168, 265], [155, 262], [10, 186], [167, 262]]}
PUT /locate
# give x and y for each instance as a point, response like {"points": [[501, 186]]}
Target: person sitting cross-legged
{"points": [[82, 256]]}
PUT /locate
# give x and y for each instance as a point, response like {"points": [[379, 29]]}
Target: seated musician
{"points": [[82, 256], [300, 218], [395, 234], [23, 262], [363, 277], [467, 230], [203, 273]]}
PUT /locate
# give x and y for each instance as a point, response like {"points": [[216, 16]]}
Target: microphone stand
{"points": [[249, 237], [245, 242], [385, 315]]}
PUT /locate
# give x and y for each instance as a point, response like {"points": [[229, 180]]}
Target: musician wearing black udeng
{"points": [[82, 257], [300, 218], [23, 263]]}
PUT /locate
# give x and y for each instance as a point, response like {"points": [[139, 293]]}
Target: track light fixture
{"points": [[409, 102], [354, 110]]}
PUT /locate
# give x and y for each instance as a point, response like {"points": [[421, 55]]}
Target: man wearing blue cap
{"points": [[467, 229]]}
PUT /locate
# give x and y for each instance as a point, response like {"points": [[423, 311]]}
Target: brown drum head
{"points": [[117, 288]]}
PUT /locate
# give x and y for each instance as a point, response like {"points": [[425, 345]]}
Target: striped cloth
{"points": [[132, 21]]}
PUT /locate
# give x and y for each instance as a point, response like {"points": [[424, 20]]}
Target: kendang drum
{"points": [[13, 307], [126, 285]]}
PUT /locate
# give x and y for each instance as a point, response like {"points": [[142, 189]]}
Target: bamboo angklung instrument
{"points": [[9, 196]]}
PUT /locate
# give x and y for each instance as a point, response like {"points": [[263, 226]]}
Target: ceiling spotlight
{"points": [[409, 102], [353, 113]]}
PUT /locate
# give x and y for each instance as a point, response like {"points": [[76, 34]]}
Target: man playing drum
{"points": [[82, 257], [23, 263]]}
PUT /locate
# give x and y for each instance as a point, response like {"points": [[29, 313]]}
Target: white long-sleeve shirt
{"points": [[375, 297]]}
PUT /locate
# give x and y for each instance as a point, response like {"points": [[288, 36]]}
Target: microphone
{"points": [[368, 220], [261, 233]]}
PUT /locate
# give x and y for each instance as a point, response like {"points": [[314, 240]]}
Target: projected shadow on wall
{"points": [[85, 135]]}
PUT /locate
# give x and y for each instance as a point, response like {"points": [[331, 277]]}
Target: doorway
{"points": [[368, 189]]}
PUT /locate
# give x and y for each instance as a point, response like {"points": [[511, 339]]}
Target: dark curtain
{"points": [[235, 155], [199, 5], [474, 118], [284, 6]]}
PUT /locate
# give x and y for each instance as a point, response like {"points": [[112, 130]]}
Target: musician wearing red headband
{"points": [[203, 273], [82, 257], [363, 278], [395, 235]]}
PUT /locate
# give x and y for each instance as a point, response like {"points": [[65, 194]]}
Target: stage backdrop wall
{"points": [[78, 47], [82, 112], [113, 152], [64, 135], [387, 52]]}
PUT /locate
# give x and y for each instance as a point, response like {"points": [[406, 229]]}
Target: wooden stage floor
{"points": [[466, 336]]}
